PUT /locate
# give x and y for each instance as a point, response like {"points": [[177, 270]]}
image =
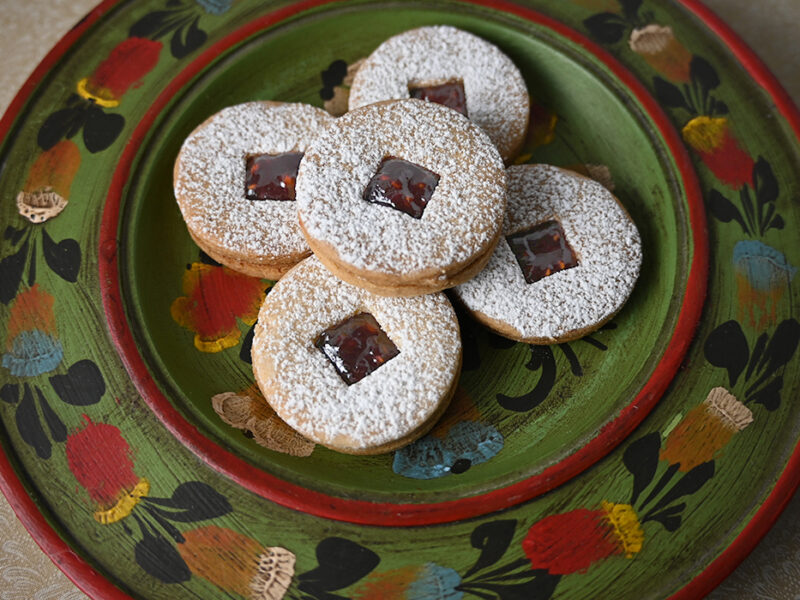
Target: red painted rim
{"points": [[92, 583], [789, 480], [385, 513]]}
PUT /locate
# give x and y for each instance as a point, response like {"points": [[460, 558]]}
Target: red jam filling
{"points": [[356, 347], [542, 251], [402, 185], [450, 94], [272, 176]]}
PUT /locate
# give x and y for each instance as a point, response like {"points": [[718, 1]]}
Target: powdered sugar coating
{"points": [[462, 218], [210, 177], [601, 233], [496, 95], [304, 388]]}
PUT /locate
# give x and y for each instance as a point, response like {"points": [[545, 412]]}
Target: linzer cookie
{"points": [[402, 198], [356, 372], [235, 184], [569, 261], [452, 67]]}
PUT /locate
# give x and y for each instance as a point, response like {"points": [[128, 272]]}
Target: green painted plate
{"points": [[641, 461]]}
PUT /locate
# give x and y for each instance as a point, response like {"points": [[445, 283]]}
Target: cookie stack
{"points": [[400, 198]]}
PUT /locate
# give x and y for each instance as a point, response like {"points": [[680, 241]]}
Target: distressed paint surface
{"points": [[470, 549]]}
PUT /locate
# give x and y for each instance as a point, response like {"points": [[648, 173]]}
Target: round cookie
{"points": [[556, 218], [494, 93], [348, 395], [258, 237], [394, 243]]}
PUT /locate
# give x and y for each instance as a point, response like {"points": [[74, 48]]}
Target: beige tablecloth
{"points": [[772, 572]]}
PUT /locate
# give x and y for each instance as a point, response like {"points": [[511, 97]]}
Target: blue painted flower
{"points": [[410, 582], [32, 349], [32, 345], [434, 581], [215, 7], [762, 276], [33, 353], [467, 443], [763, 266]]}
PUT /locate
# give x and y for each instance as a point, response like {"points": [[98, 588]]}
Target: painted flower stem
{"points": [[767, 218], [171, 530], [502, 572], [58, 431], [749, 211], [32, 265], [727, 347], [659, 487], [63, 258], [750, 392], [689, 94], [29, 426]]}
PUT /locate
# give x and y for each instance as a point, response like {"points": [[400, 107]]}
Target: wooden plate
{"points": [[648, 456]]}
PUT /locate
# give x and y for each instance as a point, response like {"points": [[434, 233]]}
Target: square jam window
{"points": [[401, 185], [356, 347], [450, 94], [542, 251], [272, 176]]}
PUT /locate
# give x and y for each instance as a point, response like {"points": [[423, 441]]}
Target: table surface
{"points": [[771, 572]]}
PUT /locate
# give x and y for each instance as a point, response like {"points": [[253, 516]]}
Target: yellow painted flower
{"points": [[626, 527]]}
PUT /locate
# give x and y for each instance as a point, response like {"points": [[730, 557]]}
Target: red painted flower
{"points": [[238, 564], [214, 298], [572, 542], [123, 68], [719, 150], [101, 460]]}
